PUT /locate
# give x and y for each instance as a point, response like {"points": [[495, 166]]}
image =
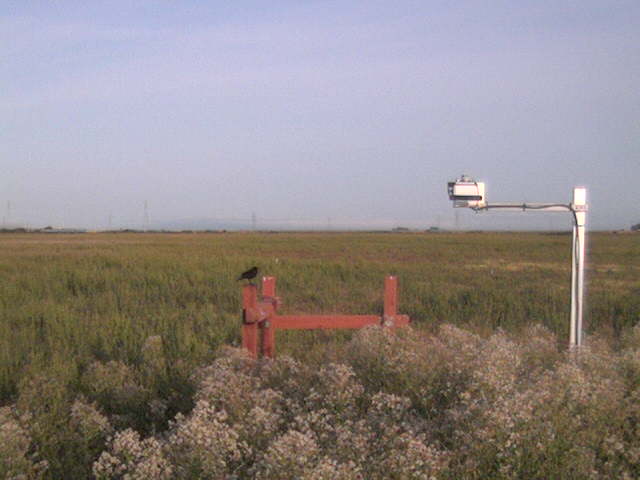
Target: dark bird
{"points": [[249, 274]]}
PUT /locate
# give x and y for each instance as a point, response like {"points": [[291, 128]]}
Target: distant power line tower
{"points": [[254, 221], [146, 216]]}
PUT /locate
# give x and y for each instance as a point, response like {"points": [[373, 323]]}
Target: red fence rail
{"points": [[260, 318]]}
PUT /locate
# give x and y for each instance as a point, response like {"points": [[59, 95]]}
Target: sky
{"points": [[317, 113]]}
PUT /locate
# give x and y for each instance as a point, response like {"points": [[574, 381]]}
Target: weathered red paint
{"points": [[261, 320], [390, 295], [249, 323], [311, 322]]}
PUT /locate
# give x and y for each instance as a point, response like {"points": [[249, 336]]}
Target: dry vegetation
{"points": [[111, 366]]}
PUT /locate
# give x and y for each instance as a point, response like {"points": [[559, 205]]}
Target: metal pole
{"points": [[581, 248], [573, 335], [579, 208]]}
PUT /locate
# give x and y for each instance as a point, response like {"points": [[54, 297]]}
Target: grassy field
{"points": [[77, 298], [69, 301]]}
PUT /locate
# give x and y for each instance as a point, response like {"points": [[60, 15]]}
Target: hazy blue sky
{"points": [[305, 110]]}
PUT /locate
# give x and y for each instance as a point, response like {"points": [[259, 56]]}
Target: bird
{"points": [[249, 274]]}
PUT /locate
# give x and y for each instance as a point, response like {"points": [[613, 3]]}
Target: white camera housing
{"points": [[466, 192]]}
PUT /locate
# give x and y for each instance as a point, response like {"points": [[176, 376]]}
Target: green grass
{"points": [[77, 311], [73, 299]]}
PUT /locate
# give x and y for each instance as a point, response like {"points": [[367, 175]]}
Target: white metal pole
{"points": [[581, 248], [573, 335], [579, 207]]}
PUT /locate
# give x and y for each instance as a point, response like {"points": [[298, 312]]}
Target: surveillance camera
{"points": [[466, 192]]}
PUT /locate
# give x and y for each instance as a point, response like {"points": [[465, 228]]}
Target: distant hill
{"points": [[202, 224]]}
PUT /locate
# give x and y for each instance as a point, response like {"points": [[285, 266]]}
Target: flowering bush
{"points": [[131, 458], [204, 445], [16, 457], [406, 405], [398, 405]]}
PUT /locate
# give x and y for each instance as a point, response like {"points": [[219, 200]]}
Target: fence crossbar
{"points": [[260, 319]]}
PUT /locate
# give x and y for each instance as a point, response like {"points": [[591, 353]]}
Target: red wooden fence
{"points": [[260, 318]]}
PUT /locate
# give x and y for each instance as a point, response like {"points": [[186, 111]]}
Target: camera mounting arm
{"points": [[466, 192], [547, 207]]}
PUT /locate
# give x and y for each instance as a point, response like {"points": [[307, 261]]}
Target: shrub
{"points": [[129, 457], [17, 457], [69, 434], [204, 445], [402, 405]]}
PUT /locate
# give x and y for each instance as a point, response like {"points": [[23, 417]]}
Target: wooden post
{"points": [[390, 300], [268, 329], [269, 287], [260, 319], [249, 324]]}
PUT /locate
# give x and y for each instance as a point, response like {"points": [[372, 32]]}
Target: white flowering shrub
{"points": [[68, 433], [263, 420], [291, 456], [228, 384], [204, 445], [130, 458], [398, 405], [405, 405], [17, 458], [89, 422], [329, 469]]}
